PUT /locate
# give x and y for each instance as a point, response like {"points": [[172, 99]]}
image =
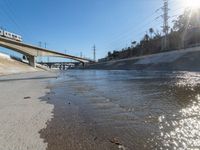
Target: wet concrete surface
{"points": [[72, 128], [114, 110]]}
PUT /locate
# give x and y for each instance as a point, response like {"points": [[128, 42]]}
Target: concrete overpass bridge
{"points": [[32, 51]]}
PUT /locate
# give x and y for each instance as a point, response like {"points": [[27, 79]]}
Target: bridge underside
{"points": [[32, 51]]}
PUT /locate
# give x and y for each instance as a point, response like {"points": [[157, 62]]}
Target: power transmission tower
{"points": [[165, 26], [40, 44], [45, 45], [94, 52]]}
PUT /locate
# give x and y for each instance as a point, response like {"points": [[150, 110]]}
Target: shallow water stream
{"points": [[138, 109]]}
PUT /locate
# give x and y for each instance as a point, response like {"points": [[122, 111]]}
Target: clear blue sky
{"points": [[76, 25]]}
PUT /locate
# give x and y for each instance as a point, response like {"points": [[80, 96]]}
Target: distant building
{"points": [[103, 59]]}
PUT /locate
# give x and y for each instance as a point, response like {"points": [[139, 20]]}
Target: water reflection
{"points": [[163, 107], [181, 129]]}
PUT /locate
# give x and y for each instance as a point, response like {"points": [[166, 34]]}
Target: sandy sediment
{"points": [[23, 113]]}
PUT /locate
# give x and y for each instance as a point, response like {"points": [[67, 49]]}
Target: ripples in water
{"points": [[165, 104]]}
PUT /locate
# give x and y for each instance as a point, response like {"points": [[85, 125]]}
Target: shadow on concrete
{"points": [[23, 79]]}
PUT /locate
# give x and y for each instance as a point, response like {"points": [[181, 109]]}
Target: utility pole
{"points": [[40, 45], [94, 52], [165, 26], [45, 45]]}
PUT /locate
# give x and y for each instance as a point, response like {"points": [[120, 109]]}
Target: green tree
{"points": [[109, 54], [146, 37], [151, 31], [189, 19], [158, 35], [133, 43]]}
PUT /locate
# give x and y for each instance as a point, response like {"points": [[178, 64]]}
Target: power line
{"points": [[165, 27], [128, 34], [128, 37], [121, 44], [7, 10], [137, 26], [141, 27]]}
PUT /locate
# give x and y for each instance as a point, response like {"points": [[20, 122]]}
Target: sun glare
{"points": [[193, 4]]}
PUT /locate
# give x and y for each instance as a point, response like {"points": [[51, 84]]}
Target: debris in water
{"points": [[121, 147], [69, 103], [28, 97], [116, 142]]}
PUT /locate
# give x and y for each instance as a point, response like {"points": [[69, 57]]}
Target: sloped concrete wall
{"points": [[183, 60], [10, 66]]}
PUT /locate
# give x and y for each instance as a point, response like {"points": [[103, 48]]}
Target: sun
{"points": [[193, 4]]}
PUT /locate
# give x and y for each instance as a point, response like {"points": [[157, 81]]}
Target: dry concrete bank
{"points": [[180, 60], [10, 66], [23, 111]]}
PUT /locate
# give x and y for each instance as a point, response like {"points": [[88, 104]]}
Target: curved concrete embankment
{"points": [[10, 66], [183, 60]]}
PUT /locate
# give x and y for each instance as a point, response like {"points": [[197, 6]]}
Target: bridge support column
{"points": [[32, 61], [83, 64]]}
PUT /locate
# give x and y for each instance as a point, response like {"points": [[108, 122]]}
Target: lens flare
{"points": [[193, 4]]}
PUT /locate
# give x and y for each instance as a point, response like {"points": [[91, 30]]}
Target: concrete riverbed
{"points": [[113, 110], [95, 110], [23, 114]]}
